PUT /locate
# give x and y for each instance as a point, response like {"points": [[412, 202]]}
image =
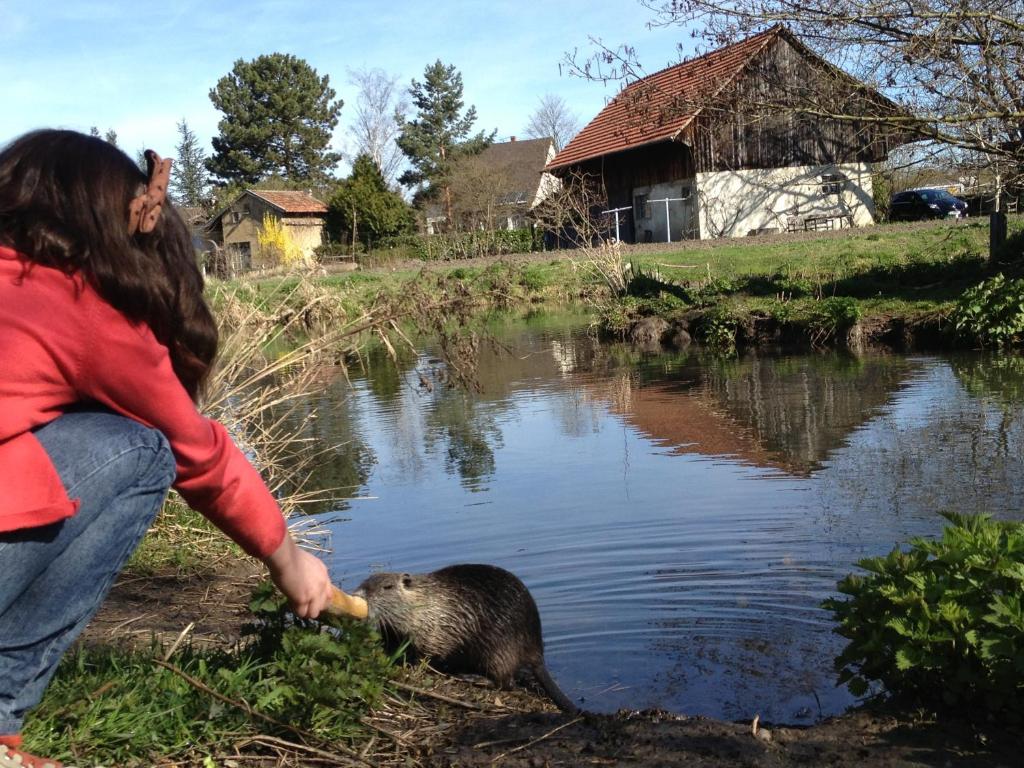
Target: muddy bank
{"points": [[661, 739], [898, 333], [208, 608]]}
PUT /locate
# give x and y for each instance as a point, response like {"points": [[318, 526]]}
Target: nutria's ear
{"points": [[406, 580]]}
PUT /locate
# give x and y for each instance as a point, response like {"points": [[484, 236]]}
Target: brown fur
{"points": [[466, 618]]}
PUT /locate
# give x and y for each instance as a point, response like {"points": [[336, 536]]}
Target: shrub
{"points": [[942, 622], [534, 279], [328, 252], [276, 242], [831, 316], [475, 243], [992, 312], [718, 331]]}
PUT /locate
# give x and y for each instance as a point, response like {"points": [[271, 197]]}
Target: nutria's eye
{"points": [[389, 586]]}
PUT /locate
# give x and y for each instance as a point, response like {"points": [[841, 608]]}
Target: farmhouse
{"points": [[694, 151], [236, 228]]}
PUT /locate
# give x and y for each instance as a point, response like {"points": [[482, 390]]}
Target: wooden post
{"points": [[354, 225], [996, 233]]}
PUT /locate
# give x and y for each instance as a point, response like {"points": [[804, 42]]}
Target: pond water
{"points": [[678, 518]]}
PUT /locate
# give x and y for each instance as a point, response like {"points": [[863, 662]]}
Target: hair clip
{"points": [[144, 210]]}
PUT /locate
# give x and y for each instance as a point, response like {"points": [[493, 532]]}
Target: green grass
{"points": [[108, 706], [850, 253]]}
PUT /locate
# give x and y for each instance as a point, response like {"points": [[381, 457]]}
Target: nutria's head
{"points": [[413, 606], [391, 598]]}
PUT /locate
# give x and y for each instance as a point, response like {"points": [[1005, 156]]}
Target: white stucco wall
{"points": [[735, 203], [651, 222]]}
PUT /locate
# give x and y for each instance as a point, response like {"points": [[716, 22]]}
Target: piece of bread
{"points": [[343, 604]]}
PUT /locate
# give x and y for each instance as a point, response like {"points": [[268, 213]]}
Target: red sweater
{"points": [[61, 344]]}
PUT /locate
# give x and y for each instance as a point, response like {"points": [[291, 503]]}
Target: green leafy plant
{"points": [[534, 278], [122, 707], [992, 312], [719, 333], [941, 622], [831, 316]]}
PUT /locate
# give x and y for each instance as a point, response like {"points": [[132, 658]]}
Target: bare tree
{"points": [[553, 118], [483, 192], [375, 126], [954, 67], [574, 215]]}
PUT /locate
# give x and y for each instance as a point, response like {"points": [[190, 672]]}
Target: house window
{"points": [[832, 183], [641, 208]]}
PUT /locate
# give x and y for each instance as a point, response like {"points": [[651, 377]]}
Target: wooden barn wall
{"points": [[737, 133], [650, 164]]}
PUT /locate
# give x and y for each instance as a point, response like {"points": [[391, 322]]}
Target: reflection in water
{"points": [[678, 519], [469, 436]]}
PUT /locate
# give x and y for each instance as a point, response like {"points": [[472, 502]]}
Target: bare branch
{"points": [[553, 119]]}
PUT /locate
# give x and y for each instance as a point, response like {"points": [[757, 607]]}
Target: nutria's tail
{"points": [[562, 701]]}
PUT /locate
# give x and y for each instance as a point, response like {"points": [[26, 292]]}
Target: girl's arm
{"points": [[127, 370]]}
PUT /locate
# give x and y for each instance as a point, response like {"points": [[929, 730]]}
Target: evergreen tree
{"points": [[110, 136], [439, 134], [188, 172], [279, 115], [363, 209]]}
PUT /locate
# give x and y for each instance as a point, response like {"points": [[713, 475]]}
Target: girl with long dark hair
{"points": [[105, 345]]}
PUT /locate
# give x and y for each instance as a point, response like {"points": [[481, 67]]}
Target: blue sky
{"points": [[140, 67]]}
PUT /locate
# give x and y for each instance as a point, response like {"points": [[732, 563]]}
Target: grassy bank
{"points": [[896, 283]]}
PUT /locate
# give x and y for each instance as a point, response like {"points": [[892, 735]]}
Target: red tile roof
{"points": [[290, 202], [643, 113]]}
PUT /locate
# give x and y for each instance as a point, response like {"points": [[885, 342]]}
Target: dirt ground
{"points": [[470, 725]]}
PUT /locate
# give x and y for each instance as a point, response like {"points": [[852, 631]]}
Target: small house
{"points": [[237, 228], [497, 188], [697, 151]]}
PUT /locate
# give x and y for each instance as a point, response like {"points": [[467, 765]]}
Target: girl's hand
{"points": [[301, 577]]}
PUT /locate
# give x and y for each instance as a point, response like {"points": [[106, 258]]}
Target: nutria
{"points": [[477, 619]]}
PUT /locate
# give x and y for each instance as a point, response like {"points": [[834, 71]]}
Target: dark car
{"points": [[918, 204]]}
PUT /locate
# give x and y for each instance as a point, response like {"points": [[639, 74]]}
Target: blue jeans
{"points": [[53, 578]]}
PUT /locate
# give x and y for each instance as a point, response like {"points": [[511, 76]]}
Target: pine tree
{"points": [[110, 136], [440, 133], [188, 172], [279, 115], [363, 209]]}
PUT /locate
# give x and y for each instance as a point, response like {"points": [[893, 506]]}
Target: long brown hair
{"points": [[64, 200]]}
